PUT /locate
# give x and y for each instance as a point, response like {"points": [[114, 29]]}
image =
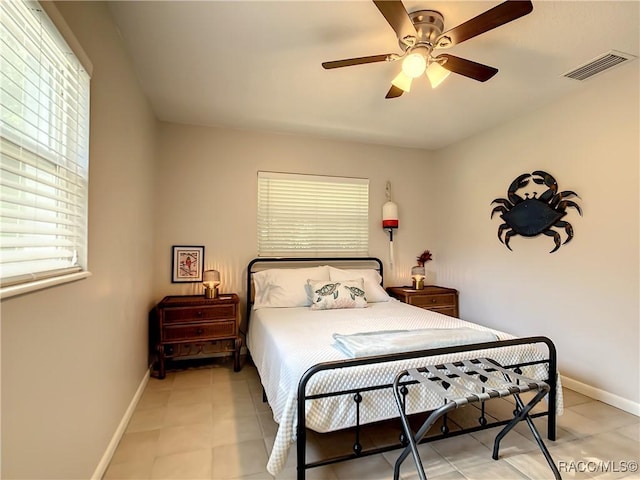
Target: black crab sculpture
{"points": [[531, 216]]}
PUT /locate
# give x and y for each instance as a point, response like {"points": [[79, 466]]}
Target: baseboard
{"points": [[601, 395], [117, 435]]}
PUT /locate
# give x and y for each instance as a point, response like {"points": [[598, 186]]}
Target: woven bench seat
{"points": [[464, 383]]}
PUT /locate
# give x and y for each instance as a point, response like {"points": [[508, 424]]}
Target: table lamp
{"points": [[211, 280], [417, 276]]}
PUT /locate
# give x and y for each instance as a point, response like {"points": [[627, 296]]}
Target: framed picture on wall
{"points": [[187, 264]]}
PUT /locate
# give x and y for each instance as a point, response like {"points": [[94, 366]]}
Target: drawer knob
{"points": [[199, 314], [433, 300], [199, 331]]}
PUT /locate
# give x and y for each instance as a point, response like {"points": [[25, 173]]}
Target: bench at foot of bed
{"points": [[464, 383]]}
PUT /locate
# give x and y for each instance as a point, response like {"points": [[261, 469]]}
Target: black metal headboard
{"points": [[264, 263]]}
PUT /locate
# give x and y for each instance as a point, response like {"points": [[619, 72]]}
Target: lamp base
{"points": [[210, 292]]}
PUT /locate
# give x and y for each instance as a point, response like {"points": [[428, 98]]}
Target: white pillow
{"points": [[372, 288], [286, 287], [328, 294]]}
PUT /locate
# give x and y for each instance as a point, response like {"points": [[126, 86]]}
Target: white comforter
{"points": [[285, 342]]}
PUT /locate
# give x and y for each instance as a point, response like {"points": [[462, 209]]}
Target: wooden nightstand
{"points": [[439, 299], [186, 324]]}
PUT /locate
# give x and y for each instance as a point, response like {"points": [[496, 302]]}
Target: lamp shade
{"points": [[402, 82], [415, 63], [211, 278], [436, 73]]}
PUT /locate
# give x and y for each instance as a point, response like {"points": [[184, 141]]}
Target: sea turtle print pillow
{"points": [[328, 294]]}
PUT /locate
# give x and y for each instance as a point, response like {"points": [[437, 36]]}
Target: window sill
{"points": [[15, 290]]}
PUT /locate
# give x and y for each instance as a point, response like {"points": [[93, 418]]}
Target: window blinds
{"points": [[44, 143], [310, 215]]}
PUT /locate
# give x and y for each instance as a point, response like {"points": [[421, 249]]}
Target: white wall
{"points": [[585, 296], [207, 186], [73, 355]]}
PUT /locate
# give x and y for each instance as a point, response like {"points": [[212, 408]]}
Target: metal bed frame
{"points": [[356, 394]]}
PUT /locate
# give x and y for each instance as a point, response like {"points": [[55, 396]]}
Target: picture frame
{"points": [[187, 263]]}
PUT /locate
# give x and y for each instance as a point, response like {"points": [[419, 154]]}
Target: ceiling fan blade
{"points": [[354, 61], [394, 92], [498, 15], [397, 16], [461, 66]]}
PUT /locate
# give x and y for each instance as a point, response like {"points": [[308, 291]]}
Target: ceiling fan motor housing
{"points": [[429, 26]]}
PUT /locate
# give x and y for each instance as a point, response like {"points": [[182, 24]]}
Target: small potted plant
{"points": [[418, 272]]}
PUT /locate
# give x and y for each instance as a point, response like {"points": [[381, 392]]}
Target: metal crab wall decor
{"points": [[531, 216]]}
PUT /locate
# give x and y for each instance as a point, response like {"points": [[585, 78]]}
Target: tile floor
{"points": [[210, 423]]}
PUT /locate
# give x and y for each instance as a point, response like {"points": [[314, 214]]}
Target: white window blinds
{"points": [[310, 215], [44, 143]]}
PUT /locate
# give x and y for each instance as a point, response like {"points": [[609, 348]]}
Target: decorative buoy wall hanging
{"points": [[390, 220], [532, 215]]}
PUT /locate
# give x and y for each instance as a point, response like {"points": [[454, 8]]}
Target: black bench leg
{"points": [[413, 440], [523, 414]]}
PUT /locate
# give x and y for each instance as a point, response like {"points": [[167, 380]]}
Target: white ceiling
{"points": [[257, 65]]}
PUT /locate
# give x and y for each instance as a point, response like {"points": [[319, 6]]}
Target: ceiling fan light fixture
{"points": [[402, 81], [437, 74], [414, 64], [421, 32]]}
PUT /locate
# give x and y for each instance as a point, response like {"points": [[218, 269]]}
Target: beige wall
{"points": [[585, 296], [74, 355], [207, 185]]}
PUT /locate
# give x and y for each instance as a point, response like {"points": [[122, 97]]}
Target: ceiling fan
{"points": [[420, 33]]}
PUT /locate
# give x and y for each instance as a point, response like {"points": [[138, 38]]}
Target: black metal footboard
{"points": [[356, 395]]}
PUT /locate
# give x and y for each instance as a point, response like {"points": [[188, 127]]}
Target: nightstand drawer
{"points": [[431, 297], [451, 311], [429, 301], [195, 314], [197, 331]]}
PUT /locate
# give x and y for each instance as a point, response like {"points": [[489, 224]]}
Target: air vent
{"points": [[600, 64]]}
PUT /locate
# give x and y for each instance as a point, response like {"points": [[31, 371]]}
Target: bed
{"points": [[320, 369]]}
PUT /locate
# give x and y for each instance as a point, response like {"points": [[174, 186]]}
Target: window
{"points": [[310, 215], [44, 149]]}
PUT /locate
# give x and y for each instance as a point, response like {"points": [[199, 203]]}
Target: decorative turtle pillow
{"points": [[328, 294]]}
